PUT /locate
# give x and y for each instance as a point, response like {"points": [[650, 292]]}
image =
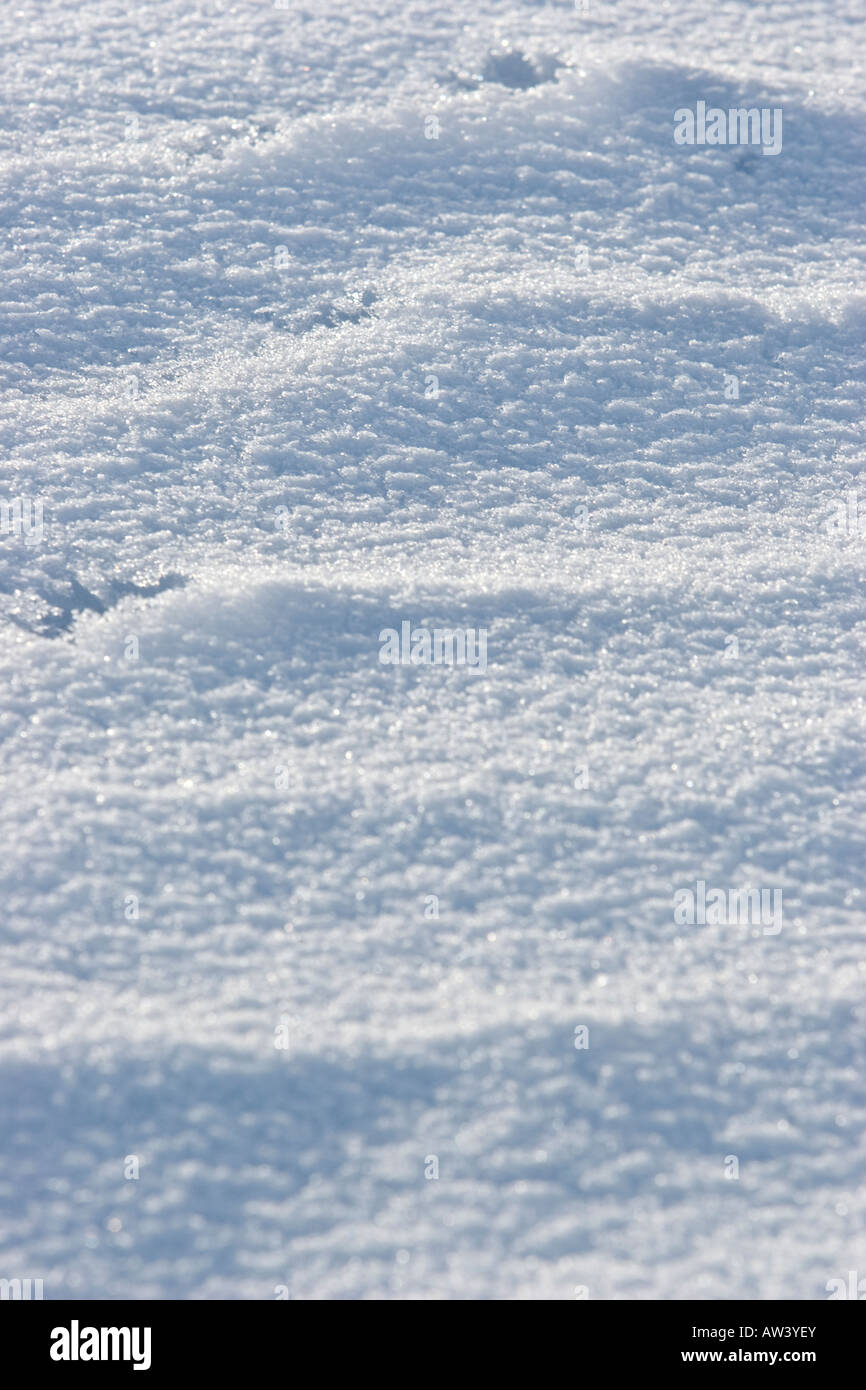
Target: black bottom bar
{"points": [[69, 1339]]}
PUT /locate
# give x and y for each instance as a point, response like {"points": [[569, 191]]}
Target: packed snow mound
{"points": [[322, 327]]}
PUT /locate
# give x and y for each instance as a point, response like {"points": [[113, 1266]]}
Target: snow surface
{"points": [[234, 257]]}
